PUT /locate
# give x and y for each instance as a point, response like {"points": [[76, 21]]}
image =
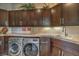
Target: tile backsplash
{"points": [[18, 30]]}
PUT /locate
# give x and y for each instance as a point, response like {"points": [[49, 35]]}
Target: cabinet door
{"points": [[44, 47], [12, 18], [56, 51], [26, 18], [16, 18], [1, 45], [35, 18], [30, 18], [46, 18], [65, 53], [56, 15], [3, 18], [70, 14], [23, 18]]}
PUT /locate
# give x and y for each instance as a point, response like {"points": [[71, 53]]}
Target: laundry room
{"points": [[39, 29]]}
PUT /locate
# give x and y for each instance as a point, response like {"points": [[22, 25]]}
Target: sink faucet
{"points": [[64, 31]]}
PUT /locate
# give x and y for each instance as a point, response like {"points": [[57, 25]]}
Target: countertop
{"points": [[64, 38], [67, 38]]}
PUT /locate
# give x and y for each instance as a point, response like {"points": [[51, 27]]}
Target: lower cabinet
{"points": [[44, 47], [66, 53], [47, 47], [6, 45], [56, 51], [64, 48]]}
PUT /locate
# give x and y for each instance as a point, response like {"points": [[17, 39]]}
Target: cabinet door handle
{"points": [[59, 52], [62, 54], [62, 21]]}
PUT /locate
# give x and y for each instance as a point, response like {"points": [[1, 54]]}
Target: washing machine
{"points": [[15, 46], [31, 46]]}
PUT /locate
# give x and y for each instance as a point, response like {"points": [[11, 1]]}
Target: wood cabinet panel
{"points": [[44, 47], [56, 51], [46, 18], [3, 17], [65, 53], [15, 18], [56, 47], [65, 14], [6, 45], [11, 18], [29, 18], [70, 14], [64, 48], [70, 47], [56, 15]]}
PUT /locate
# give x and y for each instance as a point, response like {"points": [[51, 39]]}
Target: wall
{"points": [[70, 31]]}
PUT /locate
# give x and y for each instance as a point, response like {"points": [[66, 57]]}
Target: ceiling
{"points": [[16, 6]]}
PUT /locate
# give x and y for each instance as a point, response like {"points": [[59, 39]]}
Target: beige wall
{"points": [[70, 30], [73, 30]]}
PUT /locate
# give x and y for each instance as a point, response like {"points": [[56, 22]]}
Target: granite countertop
{"points": [[64, 38], [68, 38]]}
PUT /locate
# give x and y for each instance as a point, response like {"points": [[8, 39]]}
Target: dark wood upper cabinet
{"points": [[11, 17], [65, 14], [46, 18], [26, 18], [15, 18], [29, 18], [56, 15], [70, 15], [3, 17], [35, 18], [60, 15]]}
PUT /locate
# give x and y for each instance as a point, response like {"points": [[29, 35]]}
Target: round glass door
{"points": [[30, 49], [14, 48]]}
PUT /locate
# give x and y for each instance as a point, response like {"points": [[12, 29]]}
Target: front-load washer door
{"points": [[14, 47], [30, 49]]}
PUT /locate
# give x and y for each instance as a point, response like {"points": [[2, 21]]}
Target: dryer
{"points": [[30, 46], [15, 46]]}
